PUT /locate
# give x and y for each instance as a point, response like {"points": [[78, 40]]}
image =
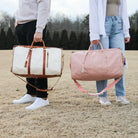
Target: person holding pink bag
{"points": [[109, 24]]}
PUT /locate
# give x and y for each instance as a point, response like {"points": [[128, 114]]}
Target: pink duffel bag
{"points": [[95, 65]]}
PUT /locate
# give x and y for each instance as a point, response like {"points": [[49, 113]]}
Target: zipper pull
{"points": [[25, 65]]}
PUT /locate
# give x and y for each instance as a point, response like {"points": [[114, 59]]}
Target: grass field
{"points": [[71, 113]]}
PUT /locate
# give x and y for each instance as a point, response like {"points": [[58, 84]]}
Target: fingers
{"points": [[127, 40], [38, 37], [15, 23], [96, 42]]}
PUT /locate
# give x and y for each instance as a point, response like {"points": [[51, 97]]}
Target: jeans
{"points": [[114, 39], [25, 33]]}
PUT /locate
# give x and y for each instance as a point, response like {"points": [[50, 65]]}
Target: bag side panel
{"points": [[53, 61], [19, 58], [36, 66]]}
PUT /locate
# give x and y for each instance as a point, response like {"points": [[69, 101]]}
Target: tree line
{"points": [[63, 32], [62, 40]]}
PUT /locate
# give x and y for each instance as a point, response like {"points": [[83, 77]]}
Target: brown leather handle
{"points": [[32, 45]]}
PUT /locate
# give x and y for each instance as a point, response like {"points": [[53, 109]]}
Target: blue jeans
{"points": [[114, 39]]}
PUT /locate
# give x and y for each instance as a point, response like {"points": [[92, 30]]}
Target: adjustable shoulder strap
{"points": [[100, 93], [42, 90]]}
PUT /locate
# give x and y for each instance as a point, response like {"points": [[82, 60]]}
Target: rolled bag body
{"points": [[37, 61], [95, 65]]}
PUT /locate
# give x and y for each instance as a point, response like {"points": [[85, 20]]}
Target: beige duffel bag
{"points": [[37, 61]]}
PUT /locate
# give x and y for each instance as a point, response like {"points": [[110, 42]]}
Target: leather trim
{"points": [[26, 46], [29, 61], [44, 60], [47, 59], [36, 76]]}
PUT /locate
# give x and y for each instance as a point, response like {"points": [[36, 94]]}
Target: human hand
{"points": [[96, 42], [38, 37], [127, 39], [15, 24]]}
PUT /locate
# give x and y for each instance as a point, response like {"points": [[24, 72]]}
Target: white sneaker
{"points": [[122, 100], [104, 101], [27, 98], [39, 102]]}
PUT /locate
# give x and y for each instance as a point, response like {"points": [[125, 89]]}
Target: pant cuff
{"points": [[42, 94]]}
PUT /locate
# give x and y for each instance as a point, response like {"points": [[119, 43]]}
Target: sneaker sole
{"points": [[105, 104], [119, 102]]}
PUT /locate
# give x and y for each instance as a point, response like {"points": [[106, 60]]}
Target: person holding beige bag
{"points": [[109, 24], [31, 20]]}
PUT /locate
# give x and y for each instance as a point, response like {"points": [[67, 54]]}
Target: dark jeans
{"points": [[25, 34]]}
